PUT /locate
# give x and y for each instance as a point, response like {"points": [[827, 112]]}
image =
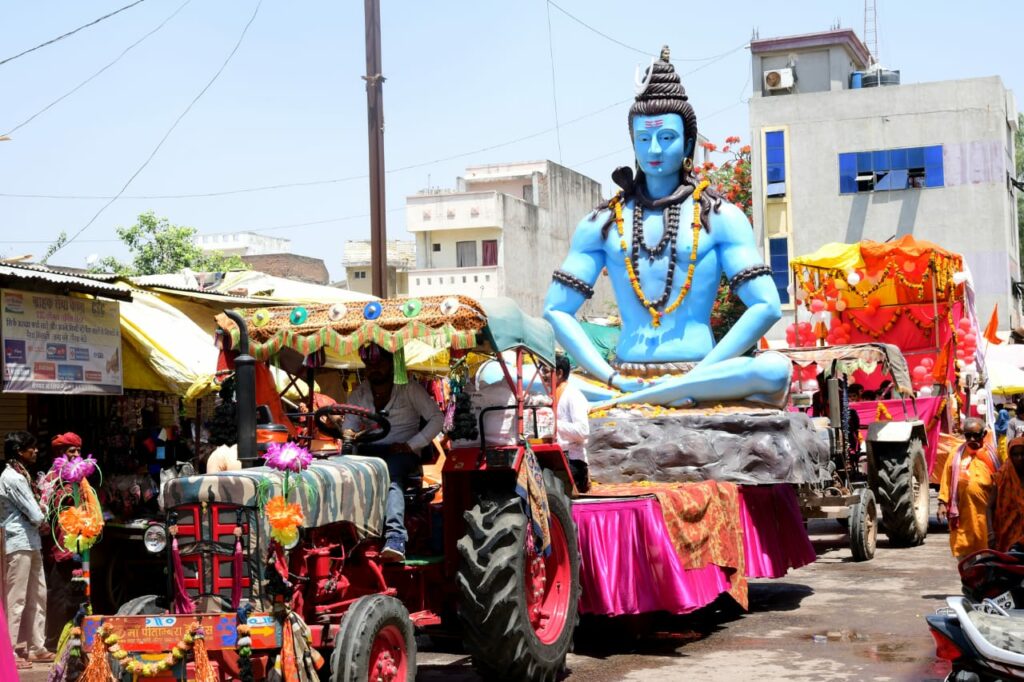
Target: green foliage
{"points": [[56, 246], [157, 247]]}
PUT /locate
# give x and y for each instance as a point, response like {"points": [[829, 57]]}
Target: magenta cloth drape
{"points": [[8, 668], [774, 539], [926, 409], [489, 251], [182, 603], [629, 564]]}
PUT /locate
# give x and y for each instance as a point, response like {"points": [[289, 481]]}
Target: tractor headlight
{"points": [[155, 538]]}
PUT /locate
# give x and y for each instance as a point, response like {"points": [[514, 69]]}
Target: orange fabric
{"points": [[763, 344], [703, 519], [1009, 515], [949, 443], [266, 389], [975, 491], [992, 327]]}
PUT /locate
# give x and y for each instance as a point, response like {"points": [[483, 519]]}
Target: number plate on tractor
{"points": [[155, 634]]}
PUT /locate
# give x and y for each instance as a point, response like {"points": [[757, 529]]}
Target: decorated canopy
{"points": [[865, 357]]}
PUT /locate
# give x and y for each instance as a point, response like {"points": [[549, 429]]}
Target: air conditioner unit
{"points": [[778, 79]]}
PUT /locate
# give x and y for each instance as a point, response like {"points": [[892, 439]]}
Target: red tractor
{"points": [[477, 565]]}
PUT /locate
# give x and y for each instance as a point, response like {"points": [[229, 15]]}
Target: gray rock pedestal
{"points": [[737, 444]]}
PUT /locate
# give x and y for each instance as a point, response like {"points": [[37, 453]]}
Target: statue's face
{"points": [[659, 143]]}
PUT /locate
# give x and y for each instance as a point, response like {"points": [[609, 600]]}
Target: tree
{"points": [[157, 247], [731, 180]]}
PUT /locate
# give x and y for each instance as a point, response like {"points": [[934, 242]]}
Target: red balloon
{"points": [[920, 371], [928, 362], [817, 305]]}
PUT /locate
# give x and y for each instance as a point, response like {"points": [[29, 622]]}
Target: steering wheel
{"points": [[322, 420]]}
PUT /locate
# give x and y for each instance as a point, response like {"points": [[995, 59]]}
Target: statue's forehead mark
{"points": [[654, 123]]}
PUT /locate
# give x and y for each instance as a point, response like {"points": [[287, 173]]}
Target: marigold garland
{"points": [[656, 315], [886, 328], [108, 641], [82, 524], [882, 413]]}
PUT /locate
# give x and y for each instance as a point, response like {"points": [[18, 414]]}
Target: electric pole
{"points": [[375, 129]]}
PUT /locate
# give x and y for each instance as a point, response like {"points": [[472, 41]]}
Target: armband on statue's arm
{"points": [[573, 282], [747, 274]]}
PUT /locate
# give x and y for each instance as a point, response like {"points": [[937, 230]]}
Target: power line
{"points": [[90, 78], [591, 28], [311, 183], [70, 33], [170, 130], [554, 87]]}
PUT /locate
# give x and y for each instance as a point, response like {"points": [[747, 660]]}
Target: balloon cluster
{"points": [[968, 341], [839, 332], [805, 378], [922, 374], [801, 334]]}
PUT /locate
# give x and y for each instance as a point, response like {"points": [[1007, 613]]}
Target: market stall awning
{"points": [[1004, 379]]}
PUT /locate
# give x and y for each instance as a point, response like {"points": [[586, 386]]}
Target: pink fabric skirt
{"points": [[629, 564], [8, 669]]}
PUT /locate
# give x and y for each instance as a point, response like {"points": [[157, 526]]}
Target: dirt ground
{"points": [[832, 620]]}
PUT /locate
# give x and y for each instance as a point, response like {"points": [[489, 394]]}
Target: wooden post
{"points": [[375, 130]]}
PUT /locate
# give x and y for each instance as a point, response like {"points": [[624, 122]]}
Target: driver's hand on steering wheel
{"points": [[348, 434], [399, 448]]}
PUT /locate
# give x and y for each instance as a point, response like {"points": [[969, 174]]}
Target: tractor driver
{"points": [[407, 407]]}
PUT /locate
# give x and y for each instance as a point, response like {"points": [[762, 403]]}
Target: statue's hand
{"points": [[631, 384]]}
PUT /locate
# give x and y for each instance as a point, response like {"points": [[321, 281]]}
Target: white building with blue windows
{"points": [[842, 151]]}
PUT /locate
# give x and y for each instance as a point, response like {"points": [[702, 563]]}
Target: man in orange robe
{"points": [[967, 491], [1009, 510]]}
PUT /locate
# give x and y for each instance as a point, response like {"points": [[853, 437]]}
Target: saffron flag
{"points": [[763, 344], [992, 327]]}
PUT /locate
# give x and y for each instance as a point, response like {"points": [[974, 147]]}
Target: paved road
{"points": [[871, 616]]}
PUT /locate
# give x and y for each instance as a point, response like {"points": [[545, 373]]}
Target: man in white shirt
{"points": [[572, 411], [406, 406]]}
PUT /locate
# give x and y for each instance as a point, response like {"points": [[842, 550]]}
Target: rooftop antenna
{"points": [[871, 30]]}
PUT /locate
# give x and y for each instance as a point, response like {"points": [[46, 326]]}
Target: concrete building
{"points": [[242, 243], [502, 232], [836, 161], [357, 262]]}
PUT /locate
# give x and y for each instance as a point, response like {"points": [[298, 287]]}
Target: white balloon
{"points": [[981, 394], [982, 409], [925, 391], [852, 278], [810, 385], [959, 277]]}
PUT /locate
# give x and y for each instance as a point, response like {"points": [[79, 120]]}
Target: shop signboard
{"points": [[60, 344]]}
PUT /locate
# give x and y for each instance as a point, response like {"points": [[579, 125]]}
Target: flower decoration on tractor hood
{"points": [[288, 457], [73, 469]]}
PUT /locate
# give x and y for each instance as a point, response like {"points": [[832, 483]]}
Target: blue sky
{"points": [[461, 76]]}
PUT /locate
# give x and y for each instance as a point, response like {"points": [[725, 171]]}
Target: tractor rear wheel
{"points": [[376, 642], [518, 608], [902, 475]]}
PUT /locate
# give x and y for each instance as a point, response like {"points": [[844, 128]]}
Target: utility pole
{"points": [[375, 129]]}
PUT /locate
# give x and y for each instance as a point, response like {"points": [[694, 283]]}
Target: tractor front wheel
{"points": [[518, 607], [375, 643], [902, 475]]}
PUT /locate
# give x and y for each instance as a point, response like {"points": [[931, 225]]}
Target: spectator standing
{"points": [[21, 516], [967, 491]]}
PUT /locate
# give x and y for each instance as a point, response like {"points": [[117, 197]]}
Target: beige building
{"points": [[357, 262], [242, 243], [501, 232]]}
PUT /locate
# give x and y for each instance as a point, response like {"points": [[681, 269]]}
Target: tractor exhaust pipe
{"points": [[245, 391]]}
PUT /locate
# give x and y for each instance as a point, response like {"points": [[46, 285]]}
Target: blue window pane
{"points": [[863, 162], [880, 161], [847, 184], [933, 156], [898, 179], [774, 140], [776, 172], [935, 177], [898, 159], [775, 155], [779, 247], [915, 157], [847, 164], [883, 182], [776, 189]]}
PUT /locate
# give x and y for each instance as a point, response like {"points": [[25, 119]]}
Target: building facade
{"points": [[835, 161], [502, 232], [357, 262], [242, 243]]}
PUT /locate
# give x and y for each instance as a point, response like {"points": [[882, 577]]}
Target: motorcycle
{"points": [[982, 632]]}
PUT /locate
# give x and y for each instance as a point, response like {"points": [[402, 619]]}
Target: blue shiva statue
{"points": [[665, 272]]}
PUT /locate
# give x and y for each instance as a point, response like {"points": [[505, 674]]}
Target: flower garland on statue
{"points": [[882, 413], [631, 259]]}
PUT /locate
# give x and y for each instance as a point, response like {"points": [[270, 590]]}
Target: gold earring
{"points": [[688, 164]]}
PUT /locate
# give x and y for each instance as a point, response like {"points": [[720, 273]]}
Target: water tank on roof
{"points": [[878, 77]]}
